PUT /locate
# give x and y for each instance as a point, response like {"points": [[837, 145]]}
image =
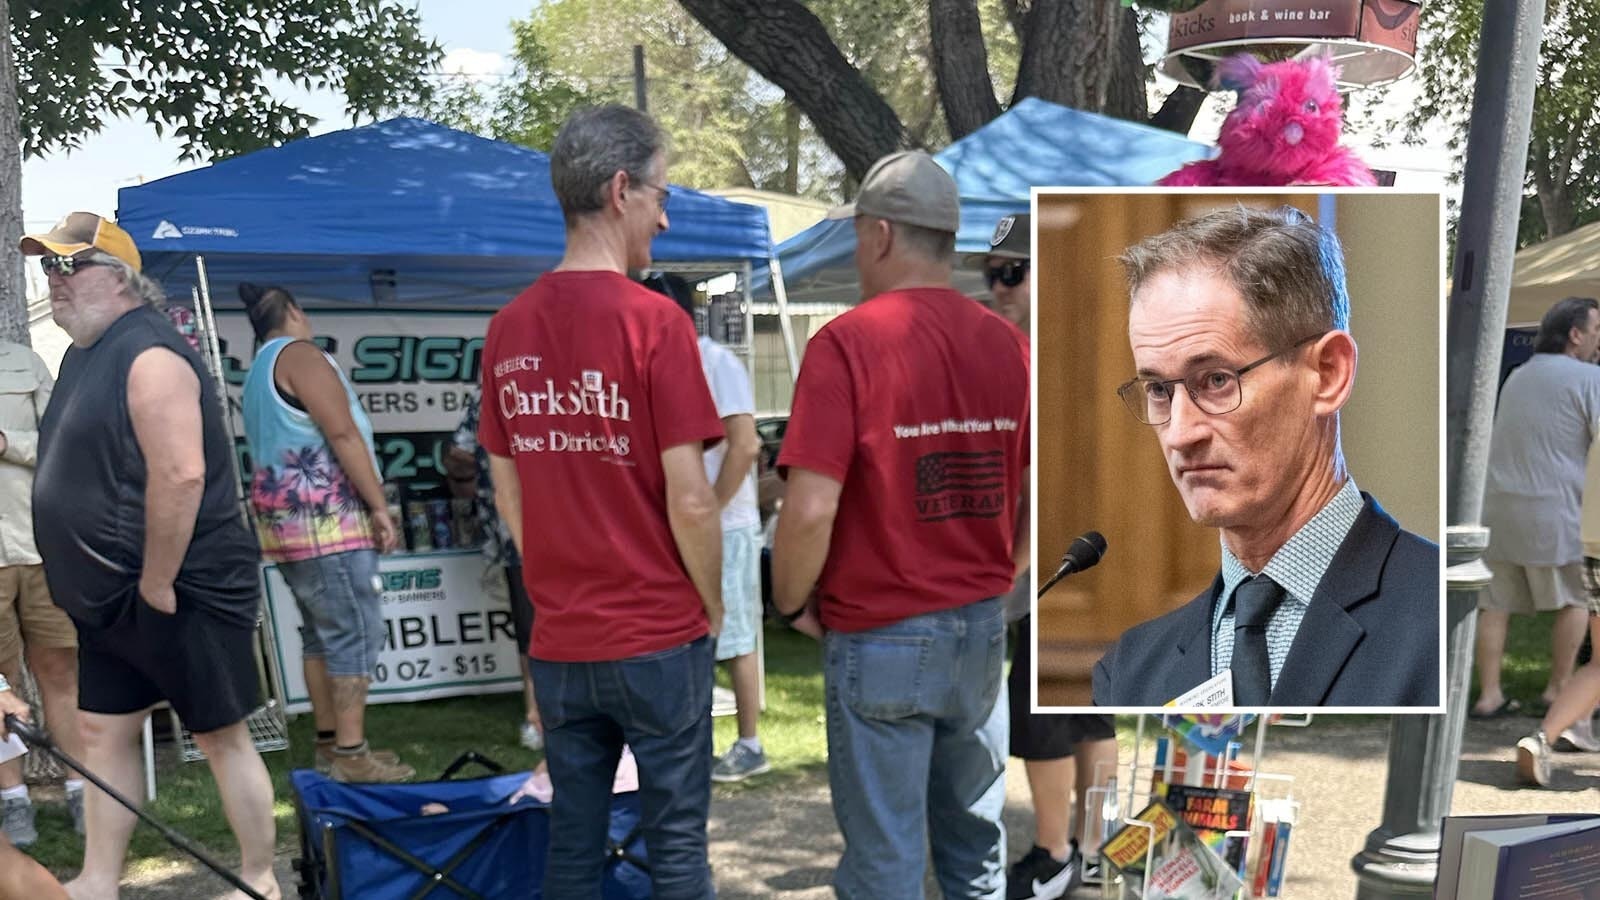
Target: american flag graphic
{"points": [[941, 472]]}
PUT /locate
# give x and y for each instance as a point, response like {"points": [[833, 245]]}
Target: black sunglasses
{"points": [[1009, 273], [66, 265]]}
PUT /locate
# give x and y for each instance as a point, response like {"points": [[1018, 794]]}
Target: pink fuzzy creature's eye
{"points": [[1311, 106]]}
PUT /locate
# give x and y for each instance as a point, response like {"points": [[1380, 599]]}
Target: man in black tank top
{"points": [[144, 544]]}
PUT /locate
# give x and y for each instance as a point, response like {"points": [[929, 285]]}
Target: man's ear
{"points": [[886, 238], [1334, 357], [616, 188]]}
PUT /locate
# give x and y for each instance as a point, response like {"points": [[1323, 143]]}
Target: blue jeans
{"points": [[341, 610], [917, 733], [660, 705]]}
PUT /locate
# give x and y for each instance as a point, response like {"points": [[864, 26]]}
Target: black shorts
{"points": [[521, 609], [1050, 735], [204, 666]]}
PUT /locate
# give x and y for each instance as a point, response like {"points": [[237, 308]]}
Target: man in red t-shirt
{"points": [[902, 526], [593, 401]]}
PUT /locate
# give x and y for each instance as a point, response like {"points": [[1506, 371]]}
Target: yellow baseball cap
{"points": [[82, 231]]}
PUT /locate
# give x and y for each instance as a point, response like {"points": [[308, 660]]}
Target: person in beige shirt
{"points": [[31, 624]]}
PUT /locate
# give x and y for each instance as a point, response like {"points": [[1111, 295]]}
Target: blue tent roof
{"points": [[444, 216], [1033, 144]]}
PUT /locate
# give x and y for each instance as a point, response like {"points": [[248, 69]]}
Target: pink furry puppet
{"points": [[1284, 130]]}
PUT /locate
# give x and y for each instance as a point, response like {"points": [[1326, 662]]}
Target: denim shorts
{"points": [[341, 609], [741, 592]]}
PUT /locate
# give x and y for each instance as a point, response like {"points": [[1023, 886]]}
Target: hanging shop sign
{"points": [[1371, 41]]}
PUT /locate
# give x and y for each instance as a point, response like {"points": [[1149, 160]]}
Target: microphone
{"points": [[1084, 553]]}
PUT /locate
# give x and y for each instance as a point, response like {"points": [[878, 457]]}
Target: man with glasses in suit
{"points": [[1239, 327]]}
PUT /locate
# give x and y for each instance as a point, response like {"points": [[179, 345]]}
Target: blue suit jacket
{"points": [[1370, 636]]}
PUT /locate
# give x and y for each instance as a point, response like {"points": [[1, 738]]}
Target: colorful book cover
{"points": [[1258, 885], [1182, 867], [1280, 857], [1208, 733], [1174, 765], [1212, 813]]}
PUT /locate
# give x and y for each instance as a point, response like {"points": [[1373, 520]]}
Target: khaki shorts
{"points": [[1531, 589], [28, 616]]}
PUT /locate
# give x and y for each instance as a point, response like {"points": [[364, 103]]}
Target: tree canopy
{"points": [[207, 72], [1563, 179]]}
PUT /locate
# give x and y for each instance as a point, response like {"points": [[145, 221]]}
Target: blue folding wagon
{"points": [[372, 842]]}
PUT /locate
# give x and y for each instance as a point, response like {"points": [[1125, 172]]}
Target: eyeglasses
{"points": [[666, 193], [1216, 391], [66, 265], [1009, 273]]}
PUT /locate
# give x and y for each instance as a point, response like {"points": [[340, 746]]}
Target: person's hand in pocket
{"points": [[159, 597]]}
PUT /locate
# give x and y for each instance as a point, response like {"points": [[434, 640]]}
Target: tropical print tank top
{"points": [[305, 505]]}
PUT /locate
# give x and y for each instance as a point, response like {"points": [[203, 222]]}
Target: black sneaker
{"points": [[1038, 876]]}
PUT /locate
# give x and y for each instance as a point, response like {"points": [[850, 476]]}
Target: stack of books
{"points": [[1516, 856]]}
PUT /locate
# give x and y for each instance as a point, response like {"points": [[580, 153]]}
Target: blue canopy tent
{"points": [[1033, 144], [402, 212]]}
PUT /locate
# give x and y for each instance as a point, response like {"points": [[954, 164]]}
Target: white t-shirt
{"points": [[734, 396]]}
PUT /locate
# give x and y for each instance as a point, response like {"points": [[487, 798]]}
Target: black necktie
{"points": [[1253, 604]]}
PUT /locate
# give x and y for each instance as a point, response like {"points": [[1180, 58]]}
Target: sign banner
{"points": [[447, 635], [1391, 23], [413, 373]]}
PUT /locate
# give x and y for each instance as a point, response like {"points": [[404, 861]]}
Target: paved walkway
{"points": [[779, 840]]}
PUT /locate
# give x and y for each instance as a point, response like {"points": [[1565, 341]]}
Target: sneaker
{"points": [[531, 736], [1533, 760], [16, 820], [1038, 876], [1578, 739], [324, 760], [739, 763], [75, 806], [367, 767]]}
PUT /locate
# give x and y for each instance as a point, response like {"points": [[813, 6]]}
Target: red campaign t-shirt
{"points": [[587, 377], [917, 402]]}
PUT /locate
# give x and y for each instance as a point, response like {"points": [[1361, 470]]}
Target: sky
{"points": [[128, 152]]}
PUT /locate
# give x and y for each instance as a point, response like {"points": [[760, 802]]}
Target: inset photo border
{"points": [[1262, 482]]}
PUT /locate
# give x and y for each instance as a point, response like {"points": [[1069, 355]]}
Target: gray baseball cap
{"points": [[910, 188], [1010, 241]]}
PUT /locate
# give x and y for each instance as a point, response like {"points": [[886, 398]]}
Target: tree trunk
{"points": [[1126, 96], [787, 44], [13, 292], [791, 147], [1069, 52], [1177, 112], [961, 66], [1550, 184]]}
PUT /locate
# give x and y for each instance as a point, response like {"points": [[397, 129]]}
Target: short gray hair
{"points": [[593, 145], [144, 289], [1288, 269], [930, 243]]}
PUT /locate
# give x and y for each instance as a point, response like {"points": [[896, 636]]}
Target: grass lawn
{"points": [[1527, 659], [432, 734]]}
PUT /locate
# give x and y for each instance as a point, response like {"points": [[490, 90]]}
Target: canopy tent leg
{"points": [[784, 325]]}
